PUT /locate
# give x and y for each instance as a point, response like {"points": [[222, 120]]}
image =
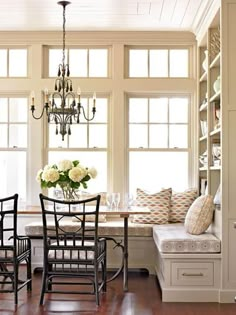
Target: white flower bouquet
{"points": [[68, 175]]}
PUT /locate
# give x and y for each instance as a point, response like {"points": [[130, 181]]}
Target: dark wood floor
{"points": [[143, 298]]}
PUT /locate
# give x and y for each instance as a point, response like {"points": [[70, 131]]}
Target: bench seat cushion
{"points": [[109, 228], [173, 238]]}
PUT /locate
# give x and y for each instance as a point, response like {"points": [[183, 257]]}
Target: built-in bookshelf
{"points": [[210, 111]]}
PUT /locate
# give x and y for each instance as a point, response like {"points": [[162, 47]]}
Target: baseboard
{"points": [[227, 296], [187, 295]]}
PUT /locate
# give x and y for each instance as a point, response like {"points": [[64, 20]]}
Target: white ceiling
{"points": [[87, 15]]}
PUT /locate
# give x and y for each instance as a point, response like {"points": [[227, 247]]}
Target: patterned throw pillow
{"points": [[199, 215], [180, 203], [158, 203]]}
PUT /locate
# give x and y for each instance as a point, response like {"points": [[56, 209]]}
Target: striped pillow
{"points": [[158, 203]]}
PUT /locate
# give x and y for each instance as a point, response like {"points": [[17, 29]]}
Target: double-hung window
{"points": [[87, 142], [13, 146], [158, 137]]}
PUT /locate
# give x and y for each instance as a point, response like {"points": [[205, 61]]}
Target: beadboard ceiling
{"points": [[90, 15]]}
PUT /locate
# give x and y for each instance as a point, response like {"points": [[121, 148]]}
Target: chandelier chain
{"points": [[64, 36]]}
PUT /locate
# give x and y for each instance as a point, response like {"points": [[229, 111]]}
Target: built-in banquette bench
{"points": [[187, 266], [182, 252]]}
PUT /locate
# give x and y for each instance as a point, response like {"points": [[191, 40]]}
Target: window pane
{"points": [[13, 174], [138, 136], [138, 110], [18, 136], [78, 62], [87, 159], [78, 137], [158, 110], [3, 110], [158, 136], [3, 62], [18, 108], [96, 141], [179, 63], [138, 63], [158, 62], [55, 58], [178, 110], [3, 136], [17, 62], [98, 61], [163, 169], [55, 141], [178, 136]]}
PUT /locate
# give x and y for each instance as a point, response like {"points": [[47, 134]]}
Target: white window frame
{"points": [[8, 48], [164, 47], [191, 144], [81, 149]]}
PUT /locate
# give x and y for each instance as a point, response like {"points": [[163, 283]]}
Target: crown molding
{"points": [[205, 17]]}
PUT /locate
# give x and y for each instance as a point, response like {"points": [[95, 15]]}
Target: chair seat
{"points": [[72, 250], [7, 251]]}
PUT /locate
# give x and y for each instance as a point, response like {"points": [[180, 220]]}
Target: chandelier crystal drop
{"points": [[68, 111]]}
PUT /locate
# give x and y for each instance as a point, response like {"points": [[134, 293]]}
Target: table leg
{"points": [[125, 271]]}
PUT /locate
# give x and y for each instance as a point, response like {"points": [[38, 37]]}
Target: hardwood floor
{"points": [[143, 298]]}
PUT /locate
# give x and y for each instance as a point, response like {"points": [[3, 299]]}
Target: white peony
{"points": [[64, 165], [46, 167], [50, 175], [76, 174], [38, 176], [92, 172]]}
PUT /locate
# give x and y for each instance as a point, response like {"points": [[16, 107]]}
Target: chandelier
{"points": [[68, 111]]}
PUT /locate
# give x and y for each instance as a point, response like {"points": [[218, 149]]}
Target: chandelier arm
{"points": [[83, 111], [46, 107]]}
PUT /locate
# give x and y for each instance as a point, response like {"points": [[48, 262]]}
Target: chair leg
{"points": [[105, 275], [96, 283], [49, 281], [29, 274], [43, 287], [15, 281]]}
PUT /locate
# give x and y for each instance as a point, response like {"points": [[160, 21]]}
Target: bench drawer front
{"points": [[192, 273]]}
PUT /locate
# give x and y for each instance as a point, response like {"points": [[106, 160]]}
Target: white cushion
{"points": [[173, 238], [73, 254]]}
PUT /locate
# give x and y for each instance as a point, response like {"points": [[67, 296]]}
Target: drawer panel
{"points": [[192, 273]]}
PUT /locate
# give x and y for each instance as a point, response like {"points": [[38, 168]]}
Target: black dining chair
{"points": [[74, 254], [15, 250]]}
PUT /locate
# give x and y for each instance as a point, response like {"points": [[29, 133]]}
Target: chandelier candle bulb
{"points": [[46, 95], [79, 93], [94, 99], [32, 97]]}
